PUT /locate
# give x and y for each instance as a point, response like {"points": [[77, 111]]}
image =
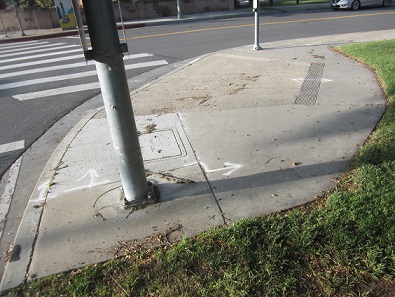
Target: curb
{"points": [[17, 269]]}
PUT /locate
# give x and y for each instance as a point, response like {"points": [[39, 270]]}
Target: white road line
{"points": [[64, 66], [40, 56], [146, 64], [58, 91], [12, 146], [39, 62], [28, 52], [22, 44], [46, 80], [79, 88], [9, 180], [30, 47], [49, 79]]}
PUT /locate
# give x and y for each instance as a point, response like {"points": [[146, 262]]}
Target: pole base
{"points": [[257, 47], [150, 199]]}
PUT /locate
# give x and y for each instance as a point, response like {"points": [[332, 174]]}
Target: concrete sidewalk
{"points": [[233, 134]]}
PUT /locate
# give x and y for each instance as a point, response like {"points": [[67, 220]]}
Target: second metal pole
{"points": [[179, 9], [17, 18], [256, 11]]}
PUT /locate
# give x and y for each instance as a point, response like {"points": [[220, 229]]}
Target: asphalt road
{"points": [[28, 119]]}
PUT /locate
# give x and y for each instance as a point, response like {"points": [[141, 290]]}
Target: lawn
{"points": [[339, 245]]}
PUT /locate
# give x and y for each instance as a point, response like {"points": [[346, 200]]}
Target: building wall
{"points": [[31, 18]]}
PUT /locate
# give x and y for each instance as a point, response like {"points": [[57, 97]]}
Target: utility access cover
{"points": [[159, 144]]}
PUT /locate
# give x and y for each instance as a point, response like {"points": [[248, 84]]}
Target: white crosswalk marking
{"points": [[72, 76], [58, 91], [40, 56], [28, 52], [21, 44], [79, 88], [63, 66], [12, 146], [44, 71], [39, 62], [46, 80], [20, 48]]}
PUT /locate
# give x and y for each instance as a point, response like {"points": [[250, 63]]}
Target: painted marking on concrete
{"points": [[40, 56], [64, 66], [28, 52], [9, 180], [92, 176], [43, 189], [79, 88], [12, 146], [231, 167]]}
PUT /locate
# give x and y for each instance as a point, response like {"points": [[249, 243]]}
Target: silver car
{"points": [[357, 4]]}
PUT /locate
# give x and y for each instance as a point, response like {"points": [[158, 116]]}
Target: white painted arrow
{"points": [[227, 166], [43, 189], [93, 176]]}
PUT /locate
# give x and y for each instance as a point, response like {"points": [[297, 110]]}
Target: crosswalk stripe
{"points": [[30, 47], [58, 91], [12, 146], [44, 80], [64, 66], [40, 56], [21, 44], [37, 50], [39, 62], [83, 87]]}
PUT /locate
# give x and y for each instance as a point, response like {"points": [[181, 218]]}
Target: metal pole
{"points": [[17, 18], [2, 23], [107, 52], [256, 11], [179, 10]]}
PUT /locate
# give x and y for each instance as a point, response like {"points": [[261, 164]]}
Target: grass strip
{"points": [[342, 245]]}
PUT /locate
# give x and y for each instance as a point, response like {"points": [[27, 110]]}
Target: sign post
{"points": [[256, 11], [179, 9], [17, 18], [107, 53]]}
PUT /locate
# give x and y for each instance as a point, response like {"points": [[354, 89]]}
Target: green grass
{"points": [[340, 245]]}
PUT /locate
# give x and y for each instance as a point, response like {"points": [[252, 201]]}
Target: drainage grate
{"points": [[311, 85]]}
